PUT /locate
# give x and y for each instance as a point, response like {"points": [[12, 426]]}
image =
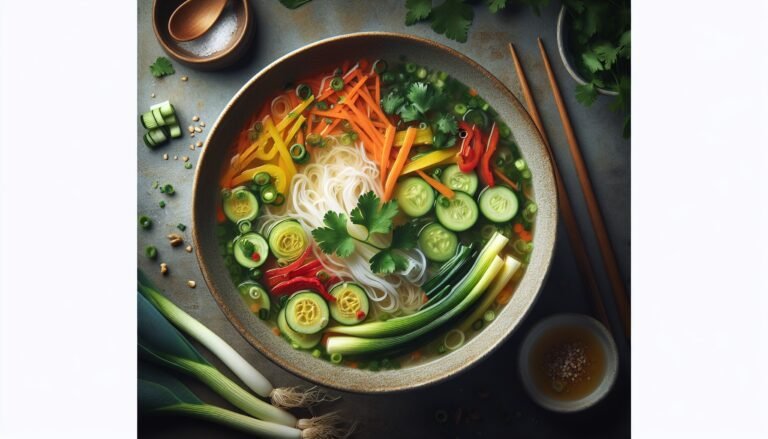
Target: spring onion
{"points": [[337, 83], [459, 109], [303, 91], [380, 66], [255, 274], [489, 316], [253, 379], [454, 339], [151, 252], [511, 265], [145, 222], [405, 324], [529, 213], [268, 194], [359, 345], [262, 178], [298, 153]]}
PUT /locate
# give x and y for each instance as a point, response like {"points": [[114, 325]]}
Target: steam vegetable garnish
{"points": [[366, 208]]}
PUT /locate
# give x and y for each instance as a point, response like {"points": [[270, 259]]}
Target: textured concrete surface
{"points": [[488, 400]]}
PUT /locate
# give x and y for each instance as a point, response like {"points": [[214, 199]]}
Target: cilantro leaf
{"points": [[447, 124], [591, 62], [374, 218], [405, 236], [334, 238], [625, 45], [418, 10], [391, 102], [606, 53], [453, 19], [408, 113], [161, 67], [496, 5], [586, 94], [247, 247], [535, 4], [421, 96], [388, 261]]}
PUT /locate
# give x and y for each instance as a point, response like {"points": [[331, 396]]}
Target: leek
{"points": [[160, 393], [253, 379], [511, 265], [160, 343], [405, 324], [357, 345]]}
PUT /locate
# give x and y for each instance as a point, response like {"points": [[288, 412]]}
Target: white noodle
{"points": [[334, 181]]}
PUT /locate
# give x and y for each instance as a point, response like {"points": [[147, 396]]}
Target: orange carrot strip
{"points": [[365, 123], [329, 91], [374, 105], [379, 124], [397, 167], [320, 127], [443, 189], [389, 138], [330, 127], [504, 178], [367, 142], [378, 89]]}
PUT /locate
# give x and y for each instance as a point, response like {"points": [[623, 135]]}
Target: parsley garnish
{"points": [[418, 10], [161, 67], [376, 218], [447, 124], [391, 102], [453, 19]]}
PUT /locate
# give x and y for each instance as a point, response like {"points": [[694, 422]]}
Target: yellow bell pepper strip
{"points": [[293, 114], [259, 144], [431, 159], [423, 137], [290, 168], [277, 173], [294, 129]]}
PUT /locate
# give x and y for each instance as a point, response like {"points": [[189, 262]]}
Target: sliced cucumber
{"points": [[175, 131], [307, 313], [288, 240], [258, 250], [499, 204], [148, 120], [165, 107], [158, 135], [159, 117], [148, 141], [460, 181], [414, 196], [438, 243], [458, 214], [351, 305], [256, 297], [240, 204], [303, 341], [170, 120]]}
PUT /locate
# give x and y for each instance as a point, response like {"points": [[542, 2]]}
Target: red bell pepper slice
{"points": [[469, 161], [485, 163], [291, 286], [290, 267]]}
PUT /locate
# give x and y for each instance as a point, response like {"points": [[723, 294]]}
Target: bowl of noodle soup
{"points": [[339, 173]]}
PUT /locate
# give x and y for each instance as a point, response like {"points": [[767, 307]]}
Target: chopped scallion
{"points": [[337, 83], [151, 252], [145, 222]]}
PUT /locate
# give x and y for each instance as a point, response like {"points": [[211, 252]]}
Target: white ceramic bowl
{"points": [[609, 352]]}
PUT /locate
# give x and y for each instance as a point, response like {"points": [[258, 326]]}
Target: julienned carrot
{"points": [[319, 127], [389, 138], [374, 105], [379, 124], [378, 88], [300, 137], [443, 189], [365, 123], [504, 178], [367, 142], [355, 88], [329, 91], [329, 128], [330, 113], [402, 156]]}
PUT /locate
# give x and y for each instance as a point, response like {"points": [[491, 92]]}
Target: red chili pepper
{"points": [[360, 314], [466, 142], [292, 266], [490, 148], [255, 256], [469, 162], [291, 286], [309, 269]]}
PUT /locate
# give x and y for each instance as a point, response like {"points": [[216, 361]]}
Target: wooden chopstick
{"points": [[566, 210], [603, 241]]}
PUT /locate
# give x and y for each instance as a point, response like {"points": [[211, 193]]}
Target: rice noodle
{"points": [[334, 181]]}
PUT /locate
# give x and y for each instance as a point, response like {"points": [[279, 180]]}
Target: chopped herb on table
{"points": [[181, 227], [151, 252], [168, 189], [145, 222], [161, 67]]}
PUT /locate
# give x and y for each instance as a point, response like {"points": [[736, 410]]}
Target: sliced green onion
{"points": [[388, 78], [380, 66], [151, 252], [268, 194], [529, 213], [526, 174], [322, 106], [421, 73], [145, 222], [520, 165], [423, 126], [298, 153], [161, 204], [410, 67], [504, 130], [522, 247], [477, 325], [181, 227], [489, 316], [255, 274], [459, 109], [244, 226], [346, 139], [262, 178], [226, 193], [454, 339], [279, 200], [337, 83], [303, 91], [336, 358], [316, 353], [168, 189], [314, 139], [188, 165]]}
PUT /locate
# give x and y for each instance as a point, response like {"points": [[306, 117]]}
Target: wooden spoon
{"points": [[193, 18]]}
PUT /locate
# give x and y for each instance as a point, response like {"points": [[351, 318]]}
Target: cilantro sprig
{"points": [[161, 67], [376, 218]]}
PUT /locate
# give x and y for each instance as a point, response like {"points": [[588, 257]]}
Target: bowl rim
{"points": [[239, 38], [568, 320], [547, 249], [562, 48]]}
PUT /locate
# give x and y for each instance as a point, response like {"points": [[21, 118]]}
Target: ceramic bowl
{"points": [[324, 55], [238, 45], [606, 342], [563, 46]]}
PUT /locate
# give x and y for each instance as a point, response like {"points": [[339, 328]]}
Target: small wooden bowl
{"points": [[161, 14]]}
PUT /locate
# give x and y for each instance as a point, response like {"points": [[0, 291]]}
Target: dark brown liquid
{"points": [[567, 363]]}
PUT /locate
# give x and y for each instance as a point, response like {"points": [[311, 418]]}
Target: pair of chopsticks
{"points": [[574, 234]]}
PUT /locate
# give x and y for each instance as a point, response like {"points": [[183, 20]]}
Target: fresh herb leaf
{"points": [[606, 53], [247, 247], [625, 45], [161, 67], [417, 10], [408, 113], [405, 236], [447, 124], [293, 4], [391, 102], [421, 96], [586, 94], [334, 238], [535, 4], [496, 5], [591, 62], [369, 215], [453, 18]]}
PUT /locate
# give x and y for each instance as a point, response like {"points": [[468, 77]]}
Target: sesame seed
{"points": [[165, 156]]}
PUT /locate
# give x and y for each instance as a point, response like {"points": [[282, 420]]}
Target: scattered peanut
{"points": [[163, 268], [195, 118], [191, 284], [165, 156], [175, 157], [185, 158], [199, 144], [191, 129], [152, 95], [175, 240], [192, 146], [198, 130], [202, 124], [184, 78], [188, 249]]}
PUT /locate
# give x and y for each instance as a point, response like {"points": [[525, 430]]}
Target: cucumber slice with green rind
{"points": [[158, 136], [288, 240], [458, 214], [175, 131], [414, 196], [148, 120], [158, 117], [351, 305], [438, 243], [165, 107], [260, 248], [460, 181], [256, 297], [307, 313], [499, 204], [240, 204], [303, 341]]}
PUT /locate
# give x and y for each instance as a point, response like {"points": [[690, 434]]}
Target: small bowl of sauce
{"points": [[568, 362]]}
